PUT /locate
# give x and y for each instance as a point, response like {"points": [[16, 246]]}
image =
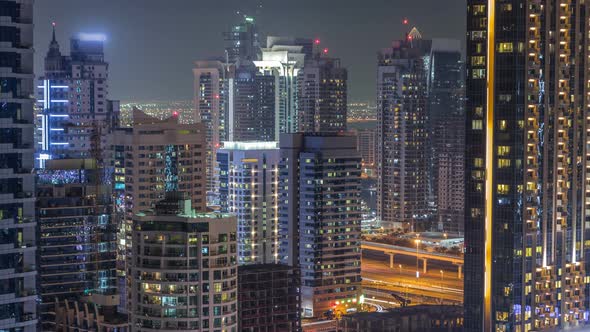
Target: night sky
{"points": [[152, 44]]}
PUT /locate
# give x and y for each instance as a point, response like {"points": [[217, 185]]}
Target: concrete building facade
{"points": [[320, 215], [184, 273]]}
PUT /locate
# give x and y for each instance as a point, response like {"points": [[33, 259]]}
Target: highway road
{"points": [[432, 287]]}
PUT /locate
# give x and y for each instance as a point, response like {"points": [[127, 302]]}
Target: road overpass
{"points": [[393, 250]]}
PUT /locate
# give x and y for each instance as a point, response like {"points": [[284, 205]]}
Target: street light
{"points": [[417, 264], [400, 269], [442, 278]]}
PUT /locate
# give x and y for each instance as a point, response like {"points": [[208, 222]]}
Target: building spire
{"points": [[53, 45], [53, 35]]}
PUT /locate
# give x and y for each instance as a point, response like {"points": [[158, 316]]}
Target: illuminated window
{"points": [[479, 187], [478, 73], [507, 7], [217, 287], [475, 212], [478, 162], [503, 189], [503, 150], [479, 111], [479, 46], [505, 48], [501, 316], [478, 60], [477, 124], [503, 163], [479, 9], [502, 124], [478, 35]]}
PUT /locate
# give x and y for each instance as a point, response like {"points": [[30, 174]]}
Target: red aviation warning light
{"points": [[405, 21], [316, 41], [325, 51], [175, 113]]}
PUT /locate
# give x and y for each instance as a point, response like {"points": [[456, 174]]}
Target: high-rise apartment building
{"points": [[446, 131], [527, 171], [242, 41], [248, 188], [154, 157], [77, 234], [367, 145], [183, 269], [74, 114], [210, 98], [251, 105], [322, 95], [283, 59], [268, 298], [402, 98], [18, 264], [320, 217]]}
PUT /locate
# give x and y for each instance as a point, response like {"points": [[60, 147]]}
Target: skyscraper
{"points": [[367, 145], [151, 158], [18, 275], [402, 98], [283, 58], [268, 298], [74, 114], [183, 269], [210, 97], [251, 105], [446, 135], [527, 171], [323, 95], [320, 218], [241, 42], [78, 234], [248, 188]]}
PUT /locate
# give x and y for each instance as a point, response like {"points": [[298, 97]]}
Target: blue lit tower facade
{"points": [[74, 115], [18, 275], [527, 215]]}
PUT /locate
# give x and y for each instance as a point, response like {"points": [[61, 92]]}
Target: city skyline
{"points": [[137, 44], [343, 166]]}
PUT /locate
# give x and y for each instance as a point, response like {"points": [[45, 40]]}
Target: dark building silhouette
{"points": [[268, 298]]}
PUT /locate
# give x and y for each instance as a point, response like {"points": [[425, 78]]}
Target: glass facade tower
{"points": [[527, 179], [18, 276]]}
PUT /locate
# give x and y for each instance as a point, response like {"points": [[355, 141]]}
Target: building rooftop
{"points": [[252, 145]]}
